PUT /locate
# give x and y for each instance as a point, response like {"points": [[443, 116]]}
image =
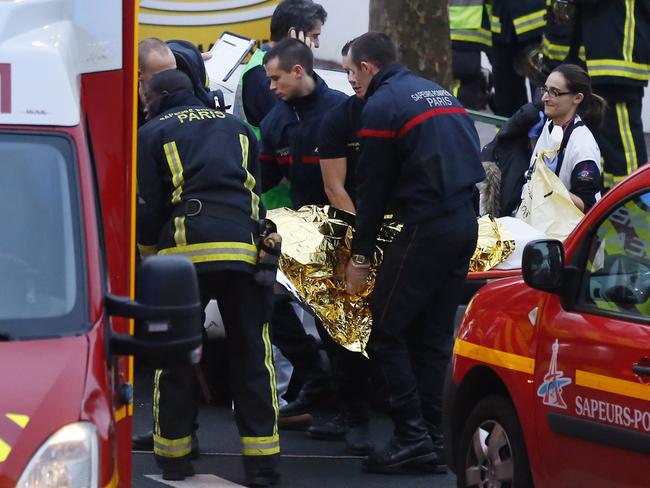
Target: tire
{"points": [[505, 466]]}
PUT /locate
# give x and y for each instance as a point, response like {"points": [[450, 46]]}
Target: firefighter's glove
{"points": [[268, 258]]}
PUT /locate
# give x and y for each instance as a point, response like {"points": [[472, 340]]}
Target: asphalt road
{"points": [[305, 463]]}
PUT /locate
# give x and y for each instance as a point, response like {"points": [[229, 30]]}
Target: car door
{"points": [[592, 373]]}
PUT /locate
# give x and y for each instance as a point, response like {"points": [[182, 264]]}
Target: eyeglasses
{"points": [[554, 92]]}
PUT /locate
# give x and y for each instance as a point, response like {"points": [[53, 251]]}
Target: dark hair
{"points": [[346, 47], [300, 14], [374, 47], [291, 52], [170, 81], [592, 107], [150, 45]]}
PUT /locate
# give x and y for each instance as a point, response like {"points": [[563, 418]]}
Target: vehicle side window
{"points": [[618, 264]]}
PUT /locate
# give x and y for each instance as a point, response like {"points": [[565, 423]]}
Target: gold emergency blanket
{"points": [[314, 241], [494, 245], [317, 239]]}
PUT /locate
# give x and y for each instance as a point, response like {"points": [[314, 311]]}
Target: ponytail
{"points": [[592, 110]]}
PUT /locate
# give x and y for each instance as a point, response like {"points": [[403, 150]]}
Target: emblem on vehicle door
{"points": [[554, 380]]}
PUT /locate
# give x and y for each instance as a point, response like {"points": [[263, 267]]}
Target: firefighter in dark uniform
{"points": [[469, 26], [290, 130], [420, 156], [338, 146], [517, 27], [612, 38], [198, 182], [290, 150]]}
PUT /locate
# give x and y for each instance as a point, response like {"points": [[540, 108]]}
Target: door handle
{"points": [[641, 370]]}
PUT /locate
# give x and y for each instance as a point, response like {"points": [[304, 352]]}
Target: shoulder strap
{"points": [[565, 141]]}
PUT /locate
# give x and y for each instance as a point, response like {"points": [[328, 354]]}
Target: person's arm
{"points": [[332, 147], [585, 185], [334, 172], [150, 218], [376, 173]]}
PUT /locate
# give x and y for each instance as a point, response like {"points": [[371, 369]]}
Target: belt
{"points": [[193, 207]]}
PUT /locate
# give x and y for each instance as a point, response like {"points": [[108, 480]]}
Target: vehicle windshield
{"points": [[41, 290]]}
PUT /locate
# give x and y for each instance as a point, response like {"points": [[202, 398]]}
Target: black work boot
{"points": [[333, 429], [178, 472], [144, 442], [262, 470], [411, 448], [357, 437], [297, 414]]}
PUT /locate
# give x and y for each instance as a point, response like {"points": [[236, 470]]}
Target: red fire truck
{"points": [[550, 378], [67, 207]]}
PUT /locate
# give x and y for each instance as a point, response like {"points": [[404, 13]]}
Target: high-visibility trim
{"points": [[612, 385], [156, 401], [115, 479], [617, 67], [176, 168], [495, 24], [557, 52], [434, 112], [260, 446], [466, 16], [215, 251], [609, 179], [582, 54], [455, 87], [625, 131], [477, 36], [250, 179], [172, 448], [495, 357], [530, 22], [270, 367], [120, 413], [179, 231], [146, 251], [5, 450], [628, 32]]}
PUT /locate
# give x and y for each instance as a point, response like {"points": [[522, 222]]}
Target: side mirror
{"points": [[168, 328], [542, 265]]}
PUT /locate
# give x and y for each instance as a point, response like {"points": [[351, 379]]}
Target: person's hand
{"points": [[300, 35], [355, 277], [206, 56]]}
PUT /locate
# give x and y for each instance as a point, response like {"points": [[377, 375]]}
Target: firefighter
{"points": [[198, 181], [469, 26], [420, 156], [613, 39], [290, 130], [616, 37], [517, 27]]}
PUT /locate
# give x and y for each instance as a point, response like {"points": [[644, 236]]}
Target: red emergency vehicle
{"points": [[67, 207], [550, 379]]}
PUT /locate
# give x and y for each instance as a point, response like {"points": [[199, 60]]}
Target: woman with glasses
{"points": [[566, 144]]}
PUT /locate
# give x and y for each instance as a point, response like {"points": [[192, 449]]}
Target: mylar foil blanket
{"points": [[316, 246], [314, 241], [494, 245]]}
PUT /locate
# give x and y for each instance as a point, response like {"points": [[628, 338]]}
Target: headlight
{"points": [[68, 459]]}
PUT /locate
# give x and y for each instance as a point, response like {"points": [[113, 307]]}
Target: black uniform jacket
{"points": [[338, 138], [290, 144], [419, 152], [191, 154], [257, 97]]}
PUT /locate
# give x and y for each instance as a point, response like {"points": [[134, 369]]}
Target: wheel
{"points": [[492, 452]]}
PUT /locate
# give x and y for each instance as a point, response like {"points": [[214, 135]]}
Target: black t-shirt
{"points": [[338, 137]]}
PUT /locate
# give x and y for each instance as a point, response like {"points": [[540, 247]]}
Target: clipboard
{"points": [[227, 54]]}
